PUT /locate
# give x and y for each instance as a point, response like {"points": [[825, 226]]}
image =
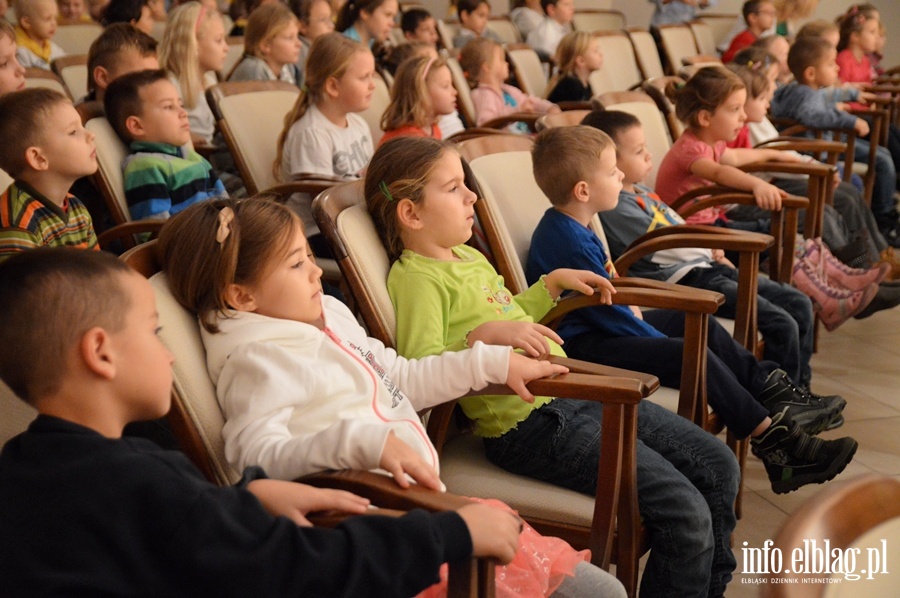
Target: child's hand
{"points": [[294, 500], [842, 106], [523, 370], [866, 96], [527, 336], [527, 105], [554, 109], [495, 533], [718, 255], [768, 196], [861, 127], [583, 281], [399, 459]]}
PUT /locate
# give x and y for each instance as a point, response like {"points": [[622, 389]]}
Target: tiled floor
{"points": [[861, 362]]}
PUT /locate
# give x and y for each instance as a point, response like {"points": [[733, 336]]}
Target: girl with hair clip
{"points": [[323, 134], [193, 46], [12, 74], [271, 46], [422, 93], [486, 69], [447, 296], [577, 56], [304, 389], [368, 21], [314, 20]]}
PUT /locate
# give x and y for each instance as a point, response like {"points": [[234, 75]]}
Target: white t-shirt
{"points": [[547, 35], [315, 145]]}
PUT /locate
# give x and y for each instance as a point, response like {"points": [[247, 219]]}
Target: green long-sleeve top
{"points": [[439, 302]]}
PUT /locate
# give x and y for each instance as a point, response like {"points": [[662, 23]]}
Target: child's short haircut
{"points": [[349, 12], [34, 287], [400, 53], [546, 3], [563, 156], [817, 28], [751, 7], [123, 99], [611, 122], [25, 8], [110, 45], [754, 77], [400, 169], [475, 54], [708, 89], [468, 6], [264, 24], [412, 18], [22, 118], [807, 52], [123, 11], [302, 9]]}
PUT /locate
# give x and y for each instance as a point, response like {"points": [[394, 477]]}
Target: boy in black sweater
{"points": [[91, 513]]}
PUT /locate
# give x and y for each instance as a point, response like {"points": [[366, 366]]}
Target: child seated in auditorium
{"points": [[128, 516], [422, 94], [12, 74], [313, 20], [577, 56], [161, 175], [526, 15], [368, 22], [418, 25], [304, 389], [120, 49], [34, 33], [778, 47], [271, 46], [447, 296], [484, 63], [136, 13], [577, 169], [72, 12], [558, 21], [473, 18], [759, 16], [45, 149]]}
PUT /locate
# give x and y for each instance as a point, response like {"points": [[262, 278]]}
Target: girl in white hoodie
{"points": [[302, 387]]}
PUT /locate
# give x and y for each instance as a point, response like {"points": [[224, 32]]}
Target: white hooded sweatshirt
{"points": [[299, 400]]}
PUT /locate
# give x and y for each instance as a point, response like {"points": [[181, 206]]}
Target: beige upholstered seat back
{"points": [[505, 30], [447, 30], [620, 68], [255, 120], [181, 334], [381, 99], [74, 74], [5, 180], [593, 4], [15, 415], [646, 52], [110, 154], [77, 39], [655, 131], [678, 43], [598, 20], [529, 71], [464, 92], [35, 77], [235, 53], [704, 37]]}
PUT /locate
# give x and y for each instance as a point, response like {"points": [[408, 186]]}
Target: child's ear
{"points": [[240, 297], [264, 48], [101, 77], [331, 87], [408, 214], [809, 74], [581, 191], [135, 127], [96, 352], [703, 117], [36, 159]]}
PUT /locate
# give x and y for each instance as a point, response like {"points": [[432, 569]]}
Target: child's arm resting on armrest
{"points": [[767, 196]]}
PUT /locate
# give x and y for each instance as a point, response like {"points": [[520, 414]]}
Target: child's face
{"points": [[290, 288], [320, 21], [779, 48], [497, 68], [606, 182], [826, 72], [282, 49], [426, 32], [66, 146], [157, 9], [381, 20], [867, 39], [211, 45], [728, 119], [442, 92], [41, 25], [70, 10], [765, 17], [477, 19], [162, 119], [12, 75], [145, 23], [446, 212], [563, 11], [593, 57], [633, 157], [96, 8], [144, 373], [757, 108], [353, 91]]}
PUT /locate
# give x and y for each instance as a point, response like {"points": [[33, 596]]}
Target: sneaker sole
{"points": [[837, 466]]}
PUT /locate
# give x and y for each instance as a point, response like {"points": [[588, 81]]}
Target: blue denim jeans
{"points": [[784, 314], [687, 482], [885, 177]]}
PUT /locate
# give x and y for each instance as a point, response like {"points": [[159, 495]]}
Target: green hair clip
{"points": [[385, 191]]}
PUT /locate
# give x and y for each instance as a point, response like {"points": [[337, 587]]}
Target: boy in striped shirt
{"points": [[45, 149]]}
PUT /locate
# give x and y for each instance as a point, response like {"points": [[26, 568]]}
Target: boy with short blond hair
{"points": [[34, 33], [45, 150], [162, 176], [98, 514], [546, 36]]}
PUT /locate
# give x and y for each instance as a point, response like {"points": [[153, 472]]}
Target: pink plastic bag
{"points": [[539, 567]]}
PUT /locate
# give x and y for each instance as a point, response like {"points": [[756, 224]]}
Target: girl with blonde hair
{"points": [[578, 55], [423, 92], [271, 46]]}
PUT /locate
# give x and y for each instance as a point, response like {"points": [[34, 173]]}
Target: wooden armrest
{"points": [[803, 145], [807, 168], [700, 59], [577, 366], [871, 112], [126, 231], [884, 87], [627, 390], [715, 195], [384, 492], [564, 106], [311, 186], [334, 518], [529, 118]]}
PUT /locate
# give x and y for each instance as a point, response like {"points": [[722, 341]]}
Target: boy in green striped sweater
{"points": [[45, 149], [162, 176]]}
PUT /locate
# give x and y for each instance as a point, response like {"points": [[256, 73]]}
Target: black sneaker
{"points": [[813, 413], [793, 458]]}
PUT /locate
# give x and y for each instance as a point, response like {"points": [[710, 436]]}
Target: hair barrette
{"points": [[680, 85], [428, 67], [382, 186], [226, 216], [304, 88]]}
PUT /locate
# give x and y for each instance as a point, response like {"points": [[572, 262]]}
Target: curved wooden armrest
{"points": [[803, 145], [626, 390], [473, 132], [577, 366], [872, 112], [807, 168], [334, 518], [880, 101], [126, 231], [884, 87], [529, 118], [564, 106], [384, 492], [702, 191], [715, 195]]}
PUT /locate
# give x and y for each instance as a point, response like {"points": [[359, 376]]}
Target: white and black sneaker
{"points": [[813, 413]]}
